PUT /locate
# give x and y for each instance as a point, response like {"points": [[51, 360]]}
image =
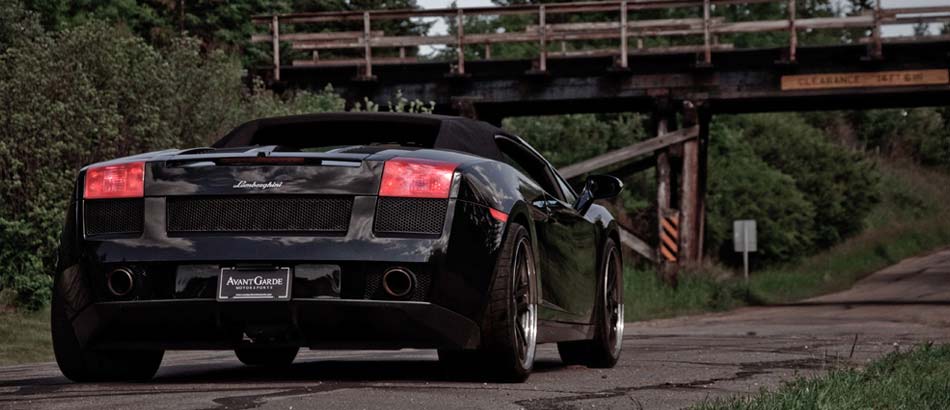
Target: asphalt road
{"points": [[666, 364]]}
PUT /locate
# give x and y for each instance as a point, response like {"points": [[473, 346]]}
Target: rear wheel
{"points": [[604, 350], [84, 365], [509, 334], [267, 357]]}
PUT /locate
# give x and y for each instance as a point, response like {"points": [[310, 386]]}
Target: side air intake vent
{"points": [[113, 216], [410, 215], [259, 214]]}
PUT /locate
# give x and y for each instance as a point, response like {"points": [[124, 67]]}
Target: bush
{"points": [[743, 186], [94, 92], [841, 185]]}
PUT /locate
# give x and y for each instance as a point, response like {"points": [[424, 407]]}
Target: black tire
{"points": [[267, 357], [603, 351], [509, 332], [85, 365]]}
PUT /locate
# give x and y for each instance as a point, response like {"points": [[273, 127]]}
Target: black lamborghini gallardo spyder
{"points": [[338, 231]]}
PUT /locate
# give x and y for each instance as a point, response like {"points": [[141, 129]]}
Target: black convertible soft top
{"points": [[348, 128]]}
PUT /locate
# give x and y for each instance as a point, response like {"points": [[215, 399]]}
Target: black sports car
{"points": [[338, 231]]}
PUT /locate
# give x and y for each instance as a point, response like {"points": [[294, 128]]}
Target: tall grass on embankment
{"points": [[25, 337], [912, 218], [918, 379]]}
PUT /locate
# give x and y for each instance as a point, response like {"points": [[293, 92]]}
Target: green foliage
{"points": [[744, 186], [840, 184], [566, 139], [90, 93], [918, 379]]}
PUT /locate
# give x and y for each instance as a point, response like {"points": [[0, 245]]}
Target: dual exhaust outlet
{"points": [[121, 282], [397, 282]]}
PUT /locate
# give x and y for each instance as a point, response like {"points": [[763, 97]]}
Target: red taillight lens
{"points": [[417, 178], [115, 181]]}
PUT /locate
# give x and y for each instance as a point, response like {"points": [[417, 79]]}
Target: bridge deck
{"points": [[870, 72], [908, 74]]}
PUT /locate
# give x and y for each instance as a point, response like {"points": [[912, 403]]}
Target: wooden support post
{"points": [[623, 34], [488, 51], [667, 263], [542, 29], [707, 52], [460, 41], [705, 118], [367, 48], [792, 32], [877, 51], [690, 192], [275, 38]]}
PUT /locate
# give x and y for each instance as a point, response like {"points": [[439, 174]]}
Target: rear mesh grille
{"points": [[410, 215], [259, 214], [113, 216]]}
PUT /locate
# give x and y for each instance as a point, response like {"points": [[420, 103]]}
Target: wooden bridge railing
{"points": [[623, 28]]}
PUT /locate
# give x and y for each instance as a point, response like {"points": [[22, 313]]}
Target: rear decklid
{"points": [[261, 171]]}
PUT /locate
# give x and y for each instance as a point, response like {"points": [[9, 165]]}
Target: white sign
{"points": [[744, 236]]}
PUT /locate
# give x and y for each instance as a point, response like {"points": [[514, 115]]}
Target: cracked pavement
{"points": [[666, 364]]}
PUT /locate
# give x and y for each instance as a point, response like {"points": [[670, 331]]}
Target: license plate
{"points": [[254, 284]]}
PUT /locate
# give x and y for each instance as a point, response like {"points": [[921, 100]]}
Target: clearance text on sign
{"points": [[858, 80]]}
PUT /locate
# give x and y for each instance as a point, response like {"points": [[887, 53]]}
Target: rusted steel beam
{"points": [[630, 152]]}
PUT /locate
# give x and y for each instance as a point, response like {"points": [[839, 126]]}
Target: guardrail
{"points": [[622, 28]]}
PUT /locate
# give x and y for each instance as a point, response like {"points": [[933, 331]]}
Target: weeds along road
{"points": [[666, 364]]}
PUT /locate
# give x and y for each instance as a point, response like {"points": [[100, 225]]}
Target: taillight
{"points": [[115, 181], [417, 178]]}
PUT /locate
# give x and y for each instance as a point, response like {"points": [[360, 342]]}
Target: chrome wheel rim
{"points": [[526, 311], [613, 302]]}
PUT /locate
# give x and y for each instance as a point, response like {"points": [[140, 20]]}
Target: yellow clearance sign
{"points": [[861, 80]]}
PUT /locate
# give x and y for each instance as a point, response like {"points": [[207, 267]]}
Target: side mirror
{"points": [[597, 187]]}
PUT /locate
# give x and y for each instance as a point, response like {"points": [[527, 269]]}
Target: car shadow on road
{"points": [[336, 371]]}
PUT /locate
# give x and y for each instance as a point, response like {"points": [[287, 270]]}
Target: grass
{"points": [[912, 218], [918, 379], [25, 337]]}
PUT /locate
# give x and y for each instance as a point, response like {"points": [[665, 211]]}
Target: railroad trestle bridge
{"points": [[681, 86]]}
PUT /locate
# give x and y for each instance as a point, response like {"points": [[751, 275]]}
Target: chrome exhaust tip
{"points": [[399, 282], [120, 282]]}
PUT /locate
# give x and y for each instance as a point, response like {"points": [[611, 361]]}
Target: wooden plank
{"points": [[348, 62], [629, 152], [337, 35], [603, 52], [637, 245], [865, 80], [555, 8]]}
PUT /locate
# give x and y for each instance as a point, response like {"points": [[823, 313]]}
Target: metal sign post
{"points": [[744, 240]]}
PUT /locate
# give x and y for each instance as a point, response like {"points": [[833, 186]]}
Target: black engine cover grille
{"points": [[410, 215], [259, 214], [113, 216]]}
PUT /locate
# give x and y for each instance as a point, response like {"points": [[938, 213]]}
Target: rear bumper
{"points": [[315, 323]]}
